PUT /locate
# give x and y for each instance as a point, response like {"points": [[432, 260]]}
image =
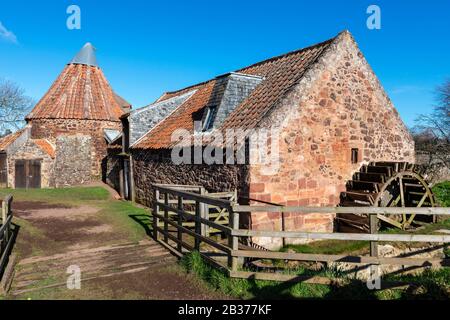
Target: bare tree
{"points": [[14, 106], [432, 133]]}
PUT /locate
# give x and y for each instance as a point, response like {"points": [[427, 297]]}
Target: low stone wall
{"points": [[362, 271], [156, 166]]}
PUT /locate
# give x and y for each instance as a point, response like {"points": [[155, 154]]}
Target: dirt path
{"points": [[53, 237]]}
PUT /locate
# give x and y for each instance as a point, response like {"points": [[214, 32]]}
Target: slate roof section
{"points": [[280, 74], [45, 146], [82, 92], [111, 134], [142, 120], [6, 141]]}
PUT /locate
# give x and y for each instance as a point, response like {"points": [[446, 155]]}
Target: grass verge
{"points": [[433, 284]]}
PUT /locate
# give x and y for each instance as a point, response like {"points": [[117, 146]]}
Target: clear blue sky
{"points": [[148, 47]]}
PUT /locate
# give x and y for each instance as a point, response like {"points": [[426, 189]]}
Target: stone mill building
{"points": [[328, 105], [65, 139]]}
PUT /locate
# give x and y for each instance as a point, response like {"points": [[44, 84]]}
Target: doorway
{"points": [[28, 174], [3, 171]]}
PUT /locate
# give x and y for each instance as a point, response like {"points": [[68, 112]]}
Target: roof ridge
{"points": [[261, 62], [309, 67], [289, 53]]}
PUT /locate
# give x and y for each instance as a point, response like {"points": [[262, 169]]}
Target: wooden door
{"points": [[3, 171], [20, 174], [28, 174], [34, 174]]}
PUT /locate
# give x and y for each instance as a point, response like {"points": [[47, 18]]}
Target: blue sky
{"points": [[148, 47]]}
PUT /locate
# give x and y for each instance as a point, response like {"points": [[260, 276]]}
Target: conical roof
{"points": [[81, 91]]}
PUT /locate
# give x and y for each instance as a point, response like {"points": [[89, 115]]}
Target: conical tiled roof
{"points": [[80, 92]]}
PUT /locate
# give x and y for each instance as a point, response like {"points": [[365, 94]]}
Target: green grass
{"points": [[62, 195], [328, 247], [433, 284], [128, 221], [134, 221], [442, 193], [248, 289]]}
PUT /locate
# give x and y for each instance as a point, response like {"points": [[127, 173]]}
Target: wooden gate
{"points": [[28, 174], [3, 171]]}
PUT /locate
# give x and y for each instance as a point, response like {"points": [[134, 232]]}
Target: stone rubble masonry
{"points": [[30, 151], [73, 153], [156, 166], [51, 129], [144, 119], [338, 105]]}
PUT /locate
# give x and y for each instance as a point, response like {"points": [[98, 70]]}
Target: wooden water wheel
{"points": [[385, 184]]}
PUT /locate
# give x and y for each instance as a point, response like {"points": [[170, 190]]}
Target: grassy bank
{"points": [[432, 285]]}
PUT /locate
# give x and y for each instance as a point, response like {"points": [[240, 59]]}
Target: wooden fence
{"points": [[6, 232], [173, 214]]}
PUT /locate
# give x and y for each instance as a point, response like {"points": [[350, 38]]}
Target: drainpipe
{"points": [[131, 179]]}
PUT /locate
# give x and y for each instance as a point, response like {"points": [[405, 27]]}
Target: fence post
{"points": [[373, 224], [5, 211], [198, 227], [233, 240], [155, 212], [204, 213], [166, 217], [180, 224]]}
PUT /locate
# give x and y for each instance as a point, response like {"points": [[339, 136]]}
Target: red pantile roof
{"points": [[80, 92], [45, 146], [280, 75], [7, 140]]}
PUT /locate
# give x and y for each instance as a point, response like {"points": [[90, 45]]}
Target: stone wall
{"points": [[156, 166], [30, 151], [52, 128], [338, 105], [73, 156], [112, 168]]}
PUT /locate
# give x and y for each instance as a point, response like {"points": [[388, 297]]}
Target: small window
{"points": [[208, 118], [354, 155]]}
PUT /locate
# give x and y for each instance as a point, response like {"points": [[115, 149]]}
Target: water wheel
{"points": [[385, 184]]}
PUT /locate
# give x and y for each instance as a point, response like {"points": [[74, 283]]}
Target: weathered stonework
{"points": [[73, 153], [337, 106], [51, 129], [30, 151], [156, 166]]}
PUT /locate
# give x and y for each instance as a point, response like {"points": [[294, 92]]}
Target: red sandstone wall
{"points": [[342, 107], [51, 128]]}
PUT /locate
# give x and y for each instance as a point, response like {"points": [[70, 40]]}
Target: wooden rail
{"points": [[173, 217], [6, 235]]}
